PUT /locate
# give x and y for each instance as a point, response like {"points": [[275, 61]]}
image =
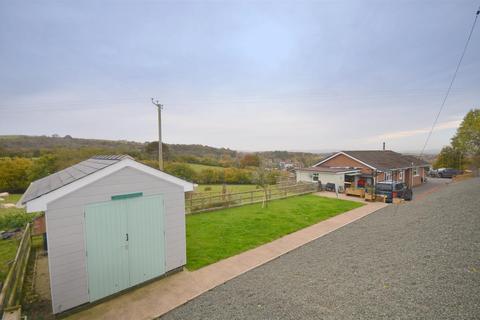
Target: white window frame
{"points": [[316, 174], [401, 175], [416, 171], [388, 175]]}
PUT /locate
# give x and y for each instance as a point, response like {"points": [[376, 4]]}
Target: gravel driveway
{"points": [[421, 261]]}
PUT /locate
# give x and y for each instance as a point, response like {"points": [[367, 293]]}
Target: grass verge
{"points": [[216, 235]]}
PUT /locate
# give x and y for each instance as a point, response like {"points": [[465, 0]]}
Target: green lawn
{"points": [[8, 249], [216, 235], [10, 219], [12, 198]]}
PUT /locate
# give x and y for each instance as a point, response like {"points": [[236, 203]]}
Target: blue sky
{"points": [[256, 75]]}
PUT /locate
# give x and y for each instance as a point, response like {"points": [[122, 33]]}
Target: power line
{"points": [[451, 82], [311, 98]]}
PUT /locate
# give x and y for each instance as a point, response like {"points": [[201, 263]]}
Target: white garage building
{"points": [[112, 223]]}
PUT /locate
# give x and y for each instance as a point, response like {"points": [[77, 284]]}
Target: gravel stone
{"points": [[419, 260]]}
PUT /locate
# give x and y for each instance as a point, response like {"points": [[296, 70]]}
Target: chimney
{"points": [[384, 146]]}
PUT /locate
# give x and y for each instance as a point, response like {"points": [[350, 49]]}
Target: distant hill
{"points": [[20, 145], [35, 146]]}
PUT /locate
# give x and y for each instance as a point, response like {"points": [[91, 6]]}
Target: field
{"points": [[199, 167], [12, 198], [231, 188], [216, 235]]}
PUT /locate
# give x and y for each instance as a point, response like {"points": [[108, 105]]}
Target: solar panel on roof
{"points": [[69, 175]]}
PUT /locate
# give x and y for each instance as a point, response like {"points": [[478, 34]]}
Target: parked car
{"points": [[449, 173], [434, 173], [393, 189]]}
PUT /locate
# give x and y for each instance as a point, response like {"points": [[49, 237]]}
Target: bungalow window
{"points": [[315, 177], [415, 171], [388, 175], [400, 175]]}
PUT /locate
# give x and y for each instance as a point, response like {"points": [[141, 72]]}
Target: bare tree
{"points": [[263, 178]]}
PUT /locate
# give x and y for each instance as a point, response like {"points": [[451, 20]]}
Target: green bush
{"points": [[228, 175], [14, 174], [15, 218], [180, 170]]}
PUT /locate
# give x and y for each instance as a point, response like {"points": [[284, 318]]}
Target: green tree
{"points": [[14, 174], [467, 138], [449, 158], [207, 176], [151, 149], [42, 167], [180, 170], [250, 160]]}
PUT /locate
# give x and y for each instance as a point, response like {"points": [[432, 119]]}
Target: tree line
{"points": [[464, 149], [24, 159], [16, 173]]}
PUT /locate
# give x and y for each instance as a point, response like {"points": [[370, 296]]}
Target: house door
{"points": [[124, 244]]}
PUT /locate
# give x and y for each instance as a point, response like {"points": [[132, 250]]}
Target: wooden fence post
{"points": [[205, 202], [10, 295]]}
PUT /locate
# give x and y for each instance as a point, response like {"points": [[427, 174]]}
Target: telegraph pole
{"points": [[160, 152]]}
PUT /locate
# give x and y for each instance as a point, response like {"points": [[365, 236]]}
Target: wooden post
{"points": [[12, 286]]}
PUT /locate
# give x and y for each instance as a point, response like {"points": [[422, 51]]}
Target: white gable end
{"points": [[40, 204]]}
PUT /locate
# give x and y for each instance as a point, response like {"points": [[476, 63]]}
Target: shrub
{"points": [[15, 218], [181, 170], [14, 174]]}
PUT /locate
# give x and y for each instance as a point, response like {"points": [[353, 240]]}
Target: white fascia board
{"points": [[347, 155], [350, 171], [332, 156], [40, 203]]}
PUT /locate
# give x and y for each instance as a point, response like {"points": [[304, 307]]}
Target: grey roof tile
{"points": [[386, 159], [68, 175]]}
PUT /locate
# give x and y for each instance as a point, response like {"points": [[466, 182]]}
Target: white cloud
{"points": [[410, 133]]}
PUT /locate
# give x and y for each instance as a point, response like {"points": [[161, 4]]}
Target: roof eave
{"points": [[40, 203], [347, 155]]}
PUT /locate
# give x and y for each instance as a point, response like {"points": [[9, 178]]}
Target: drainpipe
{"points": [[411, 179]]}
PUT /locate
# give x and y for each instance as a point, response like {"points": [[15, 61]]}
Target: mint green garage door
{"points": [[125, 243]]}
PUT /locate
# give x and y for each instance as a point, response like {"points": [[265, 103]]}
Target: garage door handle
{"points": [[126, 239]]}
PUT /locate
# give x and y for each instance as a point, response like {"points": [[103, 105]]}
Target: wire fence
{"points": [[10, 296], [199, 202]]}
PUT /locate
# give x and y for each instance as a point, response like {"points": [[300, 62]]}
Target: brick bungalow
{"points": [[365, 167]]}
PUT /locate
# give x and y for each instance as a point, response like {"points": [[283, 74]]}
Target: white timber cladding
{"points": [[40, 204], [65, 229], [324, 177]]}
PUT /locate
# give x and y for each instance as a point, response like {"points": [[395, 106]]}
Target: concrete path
{"points": [[159, 297], [42, 278], [419, 260]]}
